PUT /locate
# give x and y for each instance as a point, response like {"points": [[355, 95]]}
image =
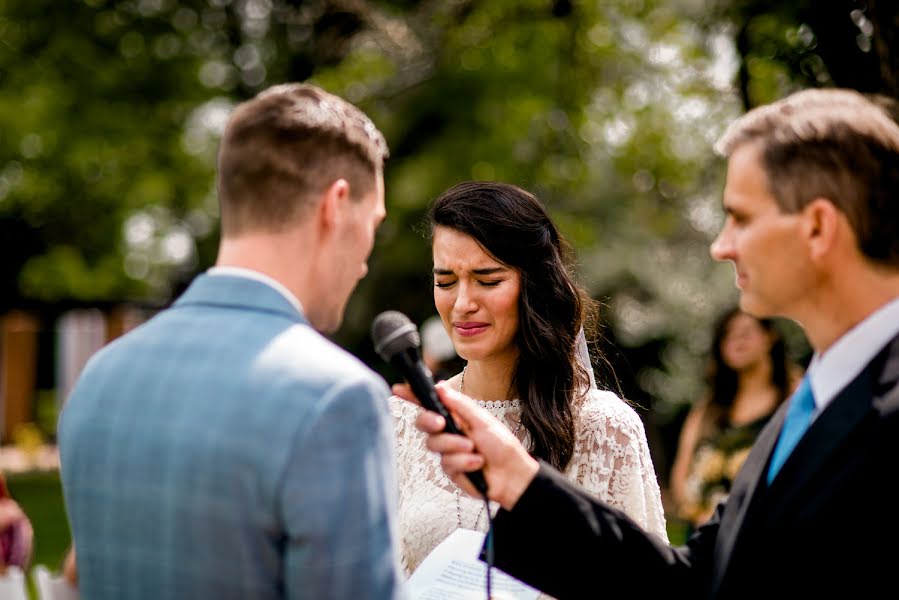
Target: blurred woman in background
{"points": [[748, 377]]}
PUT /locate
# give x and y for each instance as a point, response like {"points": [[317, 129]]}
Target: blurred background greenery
{"points": [[40, 495], [111, 110]]}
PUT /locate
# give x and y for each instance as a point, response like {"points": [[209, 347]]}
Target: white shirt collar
{"points": [[848, 356], [261, 278]]}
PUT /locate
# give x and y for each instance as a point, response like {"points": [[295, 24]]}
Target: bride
{"points": [[504, 290]]}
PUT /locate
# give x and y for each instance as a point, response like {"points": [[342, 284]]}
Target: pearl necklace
{"points": [[458, 492]]}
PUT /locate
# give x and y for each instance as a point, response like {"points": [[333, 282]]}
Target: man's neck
{"points": [[846, 305], [271, 254]]}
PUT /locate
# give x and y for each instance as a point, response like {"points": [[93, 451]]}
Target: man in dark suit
{"points": [[812, 229]]}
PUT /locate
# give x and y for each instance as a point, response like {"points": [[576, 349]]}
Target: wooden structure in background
{"points": [[20, 339], [18, 368]]}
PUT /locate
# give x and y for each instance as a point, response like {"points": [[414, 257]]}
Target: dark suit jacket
{"points": [[826, 527]]}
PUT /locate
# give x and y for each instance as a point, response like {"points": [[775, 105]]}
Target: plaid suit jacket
{"points": [[225, 449]]}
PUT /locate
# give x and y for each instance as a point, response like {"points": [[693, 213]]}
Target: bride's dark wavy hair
{"points": [[512, 226]]}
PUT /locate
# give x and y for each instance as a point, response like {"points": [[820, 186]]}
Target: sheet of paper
{"points": [[452, 571]]}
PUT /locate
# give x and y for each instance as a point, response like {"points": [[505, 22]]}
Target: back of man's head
{"points": [[283, 148], [834, 144]]}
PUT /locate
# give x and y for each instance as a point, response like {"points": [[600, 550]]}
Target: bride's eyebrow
{"points": [[487, 271], [490, 271]]}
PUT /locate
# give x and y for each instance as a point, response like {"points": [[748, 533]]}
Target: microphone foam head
{"points": [[393, 332]]}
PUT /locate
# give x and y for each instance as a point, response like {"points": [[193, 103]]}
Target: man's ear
{"points": [[332, 208], [824, 227]]}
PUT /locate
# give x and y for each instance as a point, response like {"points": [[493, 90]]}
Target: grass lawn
{"points": [[678, 530], [39, 493]]}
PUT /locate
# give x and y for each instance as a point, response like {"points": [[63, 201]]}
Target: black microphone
{"points": [[397, 341]]}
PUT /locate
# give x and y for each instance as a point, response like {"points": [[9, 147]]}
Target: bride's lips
{"points": [[469, 328]]}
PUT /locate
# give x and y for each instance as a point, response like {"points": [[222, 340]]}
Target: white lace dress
{"points": [[611, 461]]}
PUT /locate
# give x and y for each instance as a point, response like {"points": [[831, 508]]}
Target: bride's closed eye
{"points": [[446, 284]]}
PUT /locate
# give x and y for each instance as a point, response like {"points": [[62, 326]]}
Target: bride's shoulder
{"points": [[604, 406]]}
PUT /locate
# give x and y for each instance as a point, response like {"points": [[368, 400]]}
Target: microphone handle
{"points": [[422, 385]]}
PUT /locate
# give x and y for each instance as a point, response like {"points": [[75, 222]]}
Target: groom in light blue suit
{"points": [[226, 448]]}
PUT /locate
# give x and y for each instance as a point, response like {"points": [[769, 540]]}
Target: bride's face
{"points": [[476, 296]]}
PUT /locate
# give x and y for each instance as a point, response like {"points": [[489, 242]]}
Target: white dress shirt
{"points": [[261, 278], [832, 371]]}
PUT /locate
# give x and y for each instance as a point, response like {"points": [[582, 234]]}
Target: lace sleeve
{"points": [[611, 461], [403, 421], [403, 414]]}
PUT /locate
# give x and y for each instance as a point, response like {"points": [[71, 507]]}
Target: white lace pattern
{"points": [[611, 461]]}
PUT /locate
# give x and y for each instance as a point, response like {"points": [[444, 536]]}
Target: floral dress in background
{"points": [[716, 461]]}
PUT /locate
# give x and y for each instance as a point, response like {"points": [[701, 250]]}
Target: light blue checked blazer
{"points": [[225, 449]]}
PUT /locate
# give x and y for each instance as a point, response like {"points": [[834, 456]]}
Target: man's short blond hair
{"points": [[284, 147]]}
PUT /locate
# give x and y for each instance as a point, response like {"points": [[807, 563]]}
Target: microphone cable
{"points": [[488, 547]]}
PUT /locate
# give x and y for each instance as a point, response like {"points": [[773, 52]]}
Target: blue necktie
{"points": [[799, 415]]}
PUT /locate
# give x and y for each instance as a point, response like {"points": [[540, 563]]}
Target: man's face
{"points": [[355, 241], [764, 244]]}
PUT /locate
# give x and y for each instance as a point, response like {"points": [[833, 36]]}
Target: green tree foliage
{"points": [[607, 112], [804, 43], [96, 101], [110, 113]]}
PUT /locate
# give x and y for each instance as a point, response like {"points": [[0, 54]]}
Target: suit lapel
{"points": [[823, 437], [744, 492], [837, 421], [889, 376]]}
